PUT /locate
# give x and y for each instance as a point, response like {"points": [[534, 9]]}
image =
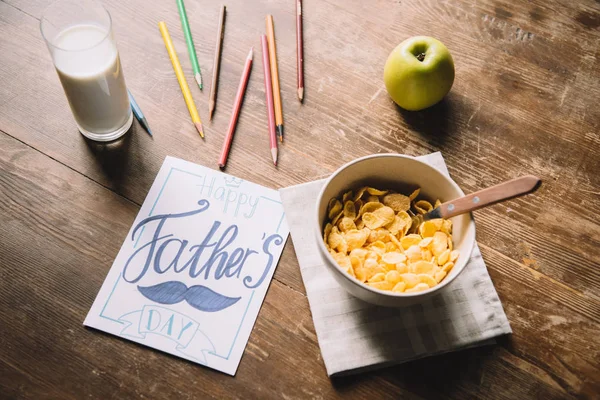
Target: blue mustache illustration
{"points": [[198, 296]]}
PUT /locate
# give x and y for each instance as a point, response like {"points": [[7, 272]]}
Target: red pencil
{"points": [[299, 50], [237, 105], [269, 97]]}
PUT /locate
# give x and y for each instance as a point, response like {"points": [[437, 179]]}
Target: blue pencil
{"points": [[139, 115]]}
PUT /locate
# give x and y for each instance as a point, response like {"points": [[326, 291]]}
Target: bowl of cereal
{"points": [[374, 239]]}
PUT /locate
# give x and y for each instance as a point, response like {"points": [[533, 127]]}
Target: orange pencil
{"points": [[275, 77], [299, 50]]}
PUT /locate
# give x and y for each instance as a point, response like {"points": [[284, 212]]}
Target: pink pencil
{"points": [[269, 97], [237, 105]]}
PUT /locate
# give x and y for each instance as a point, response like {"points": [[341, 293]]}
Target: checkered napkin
{"points": [[356, 336]]}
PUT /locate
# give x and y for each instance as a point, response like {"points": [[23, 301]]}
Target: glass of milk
{"points": [[80, 39]]}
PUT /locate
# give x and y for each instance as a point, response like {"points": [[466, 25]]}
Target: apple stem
{"points": [[421, 57]]}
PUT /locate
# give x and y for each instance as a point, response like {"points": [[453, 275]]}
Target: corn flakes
{"points": [[423, 206], [378, 218], [334, 208], [379, 238], [397, 202]]}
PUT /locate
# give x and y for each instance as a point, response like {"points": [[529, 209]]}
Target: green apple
{"points": [[418, 73]]}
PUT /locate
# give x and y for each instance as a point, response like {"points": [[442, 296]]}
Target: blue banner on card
{"points": [[185, 333]]}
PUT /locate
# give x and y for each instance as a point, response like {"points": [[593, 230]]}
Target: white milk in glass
{"points": [[89, 68]]}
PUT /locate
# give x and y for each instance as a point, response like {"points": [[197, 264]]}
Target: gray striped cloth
{"points": [[355, 336]]}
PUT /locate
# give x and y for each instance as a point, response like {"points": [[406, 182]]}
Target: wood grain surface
{"points": [[525, 101]]}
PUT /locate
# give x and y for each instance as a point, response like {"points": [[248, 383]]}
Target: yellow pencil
{"points": [[185, 90]]}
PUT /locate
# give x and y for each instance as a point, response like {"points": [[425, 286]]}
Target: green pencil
{"points": [[185, 25]]}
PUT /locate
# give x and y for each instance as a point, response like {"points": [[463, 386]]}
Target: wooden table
{"points": [[525, 100]]}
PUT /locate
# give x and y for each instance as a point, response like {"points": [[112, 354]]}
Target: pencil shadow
{"points": [[113, 157], [433, 123]]}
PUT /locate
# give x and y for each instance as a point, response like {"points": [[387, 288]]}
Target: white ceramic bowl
{"points": [[401, 173]]}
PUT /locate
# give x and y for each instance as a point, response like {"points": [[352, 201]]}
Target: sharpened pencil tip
{"points": [[198, 78], [301, 94], [274, 154], [251, 54], [211, 110], [198, 126], [144, 123]]}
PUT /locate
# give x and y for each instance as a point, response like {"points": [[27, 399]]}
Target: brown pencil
{"points": [[299, 50], [275, 77], [216, 64]]}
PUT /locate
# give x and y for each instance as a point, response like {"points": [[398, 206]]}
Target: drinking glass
{"points": [[79, 36]]}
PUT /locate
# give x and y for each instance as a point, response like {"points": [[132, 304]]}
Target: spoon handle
{"points": [[485, 197]]}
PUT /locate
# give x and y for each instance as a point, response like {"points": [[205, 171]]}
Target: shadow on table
{"points": [[113, 157], [431, 377], [123, 344], [435, 123]]}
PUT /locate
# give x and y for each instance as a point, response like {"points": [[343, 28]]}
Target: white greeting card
{"points": [[195, 267]]}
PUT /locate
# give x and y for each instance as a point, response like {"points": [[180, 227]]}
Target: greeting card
{"points": [[195, 267]]}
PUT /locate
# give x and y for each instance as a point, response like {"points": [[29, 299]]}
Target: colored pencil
{"points": [[139, 115], [185, 25], [269, 98], [299, 50], [217, 64], [185, 90], [237, 105], [275, 77]]}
